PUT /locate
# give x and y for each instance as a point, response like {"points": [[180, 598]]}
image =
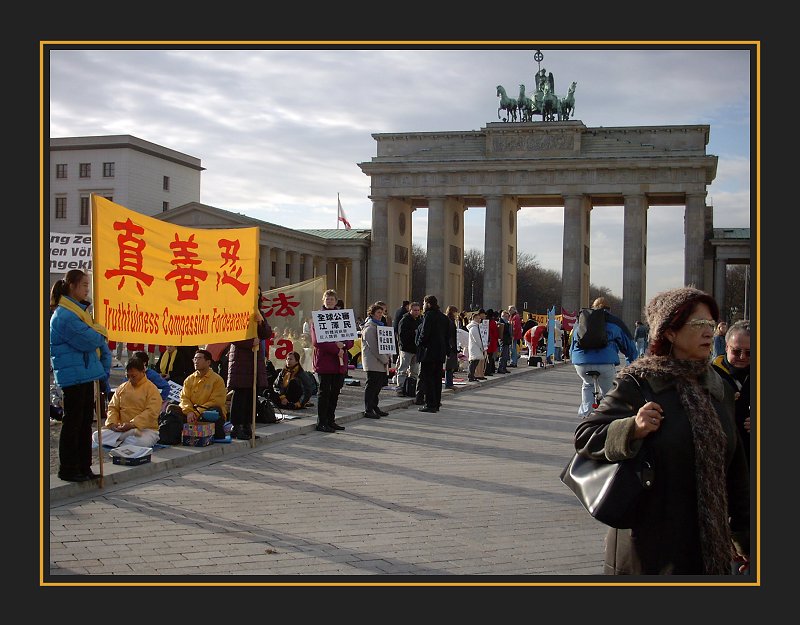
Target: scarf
{"points": [[709, 452], [72, 306], [167, 362], [288, 374]]}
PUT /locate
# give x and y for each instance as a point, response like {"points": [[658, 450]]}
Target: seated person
{"points": [[292, 389], [132, 417], [176, 363], [155, 377], [202, 390]]}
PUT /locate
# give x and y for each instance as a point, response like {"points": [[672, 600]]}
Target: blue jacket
{"points": [[73, 350], [161, 383], [619, 340]]}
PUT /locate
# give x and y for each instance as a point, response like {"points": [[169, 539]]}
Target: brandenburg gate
{"points": [[507, 166]]}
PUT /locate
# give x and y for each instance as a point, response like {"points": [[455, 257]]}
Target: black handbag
{"points": [[610, 491]]}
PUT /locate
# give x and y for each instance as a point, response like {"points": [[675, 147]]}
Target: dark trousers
{"points": [[503, 359], [75, 441], [330, 385], [293, 393], [430, 374], [242, 405], [473, 364], [490, 363], [376, 380]]}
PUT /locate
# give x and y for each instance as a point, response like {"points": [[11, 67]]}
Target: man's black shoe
{"points": [[74, 477], [428, 409], [91, 475], [371, 415], [381, 413], [336, 426], [324, 428]]}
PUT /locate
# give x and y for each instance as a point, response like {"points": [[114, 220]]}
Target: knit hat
{"points": [[662, 308]]}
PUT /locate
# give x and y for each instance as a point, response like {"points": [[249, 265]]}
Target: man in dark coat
{"points": [[432, 350], [240, 379]]}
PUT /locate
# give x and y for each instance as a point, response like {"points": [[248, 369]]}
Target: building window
{"points": [[108, 170], [274, 267], [84, 211], [166, 183], [288, 267], [61, 170], [164, 206], [61, 208], [85, 170]]}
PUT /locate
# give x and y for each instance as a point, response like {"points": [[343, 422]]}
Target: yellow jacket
{"points": [[200, 393], [138, 404]]}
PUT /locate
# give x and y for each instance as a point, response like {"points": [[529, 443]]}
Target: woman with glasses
{"points": [[671, 406]]}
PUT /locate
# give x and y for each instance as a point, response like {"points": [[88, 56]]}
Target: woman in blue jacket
{"points": [[79, 355]]}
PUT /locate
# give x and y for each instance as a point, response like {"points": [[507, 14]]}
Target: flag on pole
{"points": [[341, 215]]}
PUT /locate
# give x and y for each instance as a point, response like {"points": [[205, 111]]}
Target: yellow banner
{"points": [[287, 309], [161, 283]]}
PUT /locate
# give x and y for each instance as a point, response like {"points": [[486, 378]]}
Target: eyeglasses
{"points": [[739, 353], [700, 323]]}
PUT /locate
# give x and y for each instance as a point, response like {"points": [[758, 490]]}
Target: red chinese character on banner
{"points": [[130, 256], [230, 253], [185, 273], [282, 306]]}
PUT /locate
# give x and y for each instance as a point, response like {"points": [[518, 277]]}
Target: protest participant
{"points": [[80, 356]]}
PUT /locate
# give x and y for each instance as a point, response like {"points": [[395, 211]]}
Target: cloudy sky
{"points": [[281, 131]]}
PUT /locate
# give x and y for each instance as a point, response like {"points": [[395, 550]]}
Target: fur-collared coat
{"points": [[666, 539]]}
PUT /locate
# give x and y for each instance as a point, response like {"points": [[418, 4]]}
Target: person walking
{"points": [[602, 359], [330, 364], [375, 364], [80, 356], [734, 367], [240, 378], [696, 513], [432, 349], [640, 338]]}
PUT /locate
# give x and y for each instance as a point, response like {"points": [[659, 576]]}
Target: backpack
{"points": [[410, 387], [170, 427], [312, 381], [590, 328]]}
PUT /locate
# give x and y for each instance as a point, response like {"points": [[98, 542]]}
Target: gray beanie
{"points": [[662, 308]]}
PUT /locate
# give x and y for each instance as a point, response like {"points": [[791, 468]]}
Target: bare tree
{"points": [[419, 263], [473, 280]]}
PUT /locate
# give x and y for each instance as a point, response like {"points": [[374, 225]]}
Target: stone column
{"points": [[493, 254], [320, 264], [357, 288], [435, 264], [720, 280], [341, 282], [379, 251], [575, 255], [330, 271], [264, 267], [634, 259], [694, 231], [294, 266], [280, 267], [308, 267]]}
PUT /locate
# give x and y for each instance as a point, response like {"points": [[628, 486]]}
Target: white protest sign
{"points": [[70, 251], [484, 328], [174, 391], [386, 340], [334, 325]]}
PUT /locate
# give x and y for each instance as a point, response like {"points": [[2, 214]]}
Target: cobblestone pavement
{"points": [[471, 491]]}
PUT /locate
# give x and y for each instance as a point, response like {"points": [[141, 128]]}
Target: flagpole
{"points": [[338, 204]]}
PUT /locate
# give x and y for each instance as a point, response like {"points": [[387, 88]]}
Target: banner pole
{"points": [[255, 400], [98, 400]]}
